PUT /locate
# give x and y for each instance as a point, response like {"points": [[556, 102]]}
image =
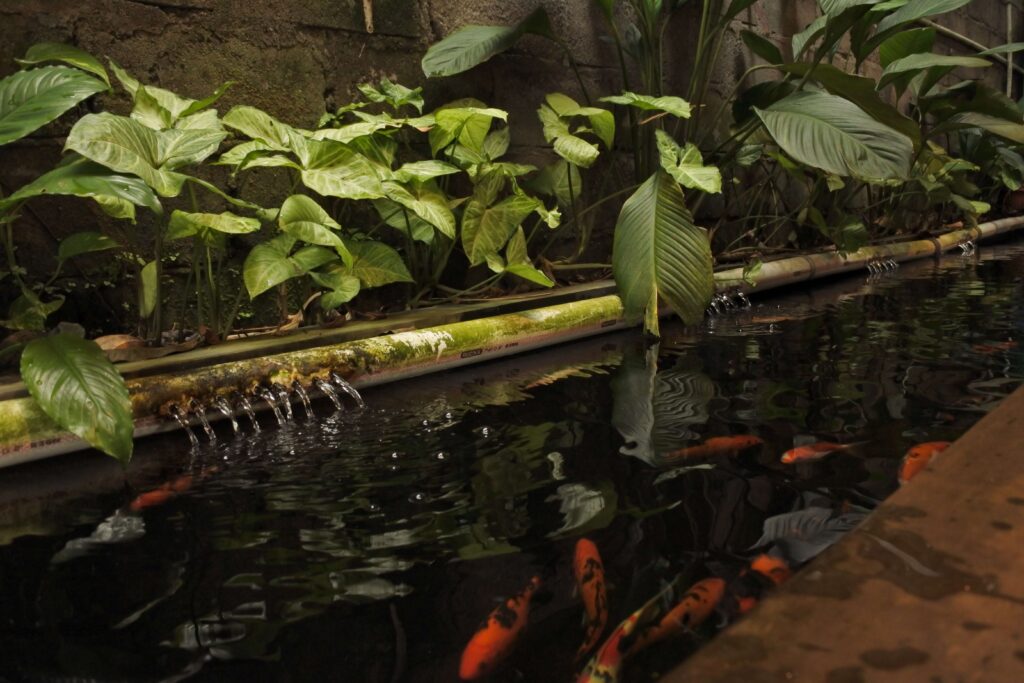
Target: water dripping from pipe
{"points": [[348, 389], [175, 412], [224, 407], [304, 397], [247, 407], [325, 386], [200, 411], [268, 396], [286, 401]]}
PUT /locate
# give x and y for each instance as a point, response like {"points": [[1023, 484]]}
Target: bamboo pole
{"points": [[27, 434]]}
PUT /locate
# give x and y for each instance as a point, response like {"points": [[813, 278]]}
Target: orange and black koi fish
{"points": [[604, 666], [696, 606], [717, 445], [772, 568], [589, 573], [497, 636], [918, 457], [814, 451]]}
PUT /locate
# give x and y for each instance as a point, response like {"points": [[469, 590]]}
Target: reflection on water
{"points": [[367, 546]]}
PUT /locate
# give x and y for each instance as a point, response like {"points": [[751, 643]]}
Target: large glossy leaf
{"points": [[30, 99], [486, 229], [861, 91], [271, 263], [927, 61], [80, 390], [906, 43], [917, 9], [602, 121], [304, 219], [123, 144], [473, 45], [343, 287], [376, 264], [1006, 129], [833, 134], [59, 52], [517, 261], [668, 104], [84, 178], [424, 201], [686, 165], [84, 242], [659, 253], [406, 222], [834, 7], [424, 170], [762, 47], [334, 170]]}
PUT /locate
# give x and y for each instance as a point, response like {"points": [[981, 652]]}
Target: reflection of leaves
{"points": [[583, 508], [652, 410], [803, 535]]}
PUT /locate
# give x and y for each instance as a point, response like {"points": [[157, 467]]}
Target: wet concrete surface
{"points": [[929, 588]]}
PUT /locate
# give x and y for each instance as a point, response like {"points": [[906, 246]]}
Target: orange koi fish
{"points": [[496, 636], [772, 568], [589, 573], [814, 451], [696, 606], [997, 347], [918, 457], [161, 495], [717, 445]]}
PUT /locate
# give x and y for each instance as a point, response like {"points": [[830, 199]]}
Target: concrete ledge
{"points": [[930, 588]]}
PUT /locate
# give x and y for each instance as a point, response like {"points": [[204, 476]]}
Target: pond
{"points": [[369, 545]]}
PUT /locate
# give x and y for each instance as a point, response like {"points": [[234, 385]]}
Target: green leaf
{"points": [[468, 125], [576, 150], [906, 43], [496, 143], [269, 264], [486, 229], [762, 47], [927, 61], [659, 252], [304, 219], [1001, 127], [670, 105], [424, 170], [553, 181], [334, 170], [395, 215], [59, 52], [394, 94], [84, 178], [125, 145], [150, 113], [834, 7], [149, 289], [343, 288], [84, 243], [686, 165], [833, 134], [807, 37], [259, 125], [426, 202], [79, 389], [1003, 49], [518, 261], [473, 45], [917, 9], [209, 226], [27, 312], [376, 264], [31, 99], [861, 91]]}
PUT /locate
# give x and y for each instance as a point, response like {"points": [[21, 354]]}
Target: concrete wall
{"points": [[293, 58]]}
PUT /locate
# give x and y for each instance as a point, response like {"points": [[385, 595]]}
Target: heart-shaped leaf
{"points": [[30, 99]]}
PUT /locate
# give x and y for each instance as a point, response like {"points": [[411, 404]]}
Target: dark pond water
{"points": [[368, 546]]}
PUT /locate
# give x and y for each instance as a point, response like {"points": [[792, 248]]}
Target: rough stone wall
{"points": [[294, 58]]}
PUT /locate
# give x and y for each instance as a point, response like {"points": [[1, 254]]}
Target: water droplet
{"points": [[448, 415], [394, 455], [417, 497], [440, 455], [373, 507], [485, 431], [426, 423]]}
